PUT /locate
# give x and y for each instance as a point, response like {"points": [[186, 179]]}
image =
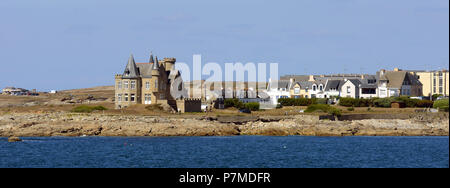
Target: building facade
{"points": [[147, 83], [433, 82]]}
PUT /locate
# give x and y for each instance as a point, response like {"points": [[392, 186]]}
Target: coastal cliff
{"points": [[73, 124]]}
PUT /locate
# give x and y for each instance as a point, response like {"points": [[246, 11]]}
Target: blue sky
{"points": [[52, 44]]}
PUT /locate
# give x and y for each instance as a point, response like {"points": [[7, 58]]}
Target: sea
{"points": [[226, 152]]}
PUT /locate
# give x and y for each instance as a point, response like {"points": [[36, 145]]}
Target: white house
{"points": [[350, 88], [277, 89]]}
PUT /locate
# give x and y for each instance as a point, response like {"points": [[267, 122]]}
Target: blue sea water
{"points": [[229, 152]]}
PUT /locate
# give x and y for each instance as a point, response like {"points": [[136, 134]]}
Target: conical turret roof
{"points": [[131, 70], [156, 64], [151, 58]]}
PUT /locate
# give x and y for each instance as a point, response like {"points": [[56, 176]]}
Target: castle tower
{"points": [[130, 70], [169, 63], [151, 58]]}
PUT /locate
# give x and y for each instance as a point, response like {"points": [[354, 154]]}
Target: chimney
{"points": [[311, 78], [397, 69], [291, 80], [382, 71], [362, 76]]}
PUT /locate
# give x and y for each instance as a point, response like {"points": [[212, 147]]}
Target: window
{"points": [[119, 84], [371, 81], [321, 87], [147, 85], [126, 97], [119, 97], [348, 89], [147, 99], [297, 90], [133, 84], [156, 84], [132, 97], [125, 84], [162, 96], [314, 87]]}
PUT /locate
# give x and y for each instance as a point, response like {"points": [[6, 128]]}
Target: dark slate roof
{"points": [[334, 84], [145, 69], [355, 82], [281, 84], [151, 58], [156, 64], [365, 82], [131, 69], [305, 84]]}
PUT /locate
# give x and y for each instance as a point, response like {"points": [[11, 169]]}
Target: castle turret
{"points": [[151, 58], [169, 63], [155, 68], [130, 70]]}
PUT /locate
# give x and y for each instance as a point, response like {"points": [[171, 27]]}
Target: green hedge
{"points": [[87, 109], [252, 106], [324, 108], [384, 102], [441, 104], [233, 103], [352, 102], [296, 101]]}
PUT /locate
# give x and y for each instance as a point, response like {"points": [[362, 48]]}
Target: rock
{"points": [[14, 139]]}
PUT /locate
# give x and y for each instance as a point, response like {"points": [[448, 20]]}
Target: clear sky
{"points": [[53, 44]]}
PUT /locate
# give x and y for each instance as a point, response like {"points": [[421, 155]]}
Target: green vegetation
{"points": [[252, 106], [442, 105], [351, 102], [323, 108], [384, 102], [435, 96], [296, 101], [234, 103], [87, 109], [351, 109]]}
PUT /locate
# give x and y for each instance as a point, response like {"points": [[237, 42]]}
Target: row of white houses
{"points": [[383, 84]]}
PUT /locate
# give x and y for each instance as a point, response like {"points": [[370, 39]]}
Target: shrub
{"points": [[234, 103], [252, 106], [408, 102], [87, 109], [424, 103], [383, 102], [435, 96], [321, 101], [351, 109], [346, 101], [324, 108], [441, 104], [295, 101]]}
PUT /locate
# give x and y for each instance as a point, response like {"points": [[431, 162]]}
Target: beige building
{"points": [[434, 82], [149, 83]]}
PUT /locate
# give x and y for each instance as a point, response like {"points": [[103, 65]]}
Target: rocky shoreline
{"points": [[70, 124]]}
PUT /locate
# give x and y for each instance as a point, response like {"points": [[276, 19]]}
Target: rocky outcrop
{"points": [[14, 139], [70, 124]]}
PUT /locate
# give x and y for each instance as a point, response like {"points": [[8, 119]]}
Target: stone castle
{"points": [[151, 83]]}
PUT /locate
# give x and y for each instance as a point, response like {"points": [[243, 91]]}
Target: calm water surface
{"points": [[233, 151]]}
